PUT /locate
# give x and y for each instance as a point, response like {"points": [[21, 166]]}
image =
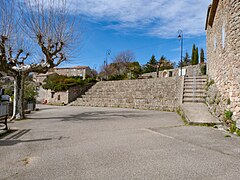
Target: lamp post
{"points": [[180, 37], [108, 52]]}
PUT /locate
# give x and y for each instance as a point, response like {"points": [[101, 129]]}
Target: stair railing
{"points": [[194, 84]]}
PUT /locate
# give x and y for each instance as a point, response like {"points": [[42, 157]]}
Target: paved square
{"points": [[104, 143]]}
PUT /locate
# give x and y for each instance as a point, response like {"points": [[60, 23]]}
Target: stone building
{"points": [[48, 96], [223, 53], [82, 71], [62, 97]]}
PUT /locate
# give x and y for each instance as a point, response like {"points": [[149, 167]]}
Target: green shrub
{"points": [[228, 101], [57, 82], [30, 92], [209, 83], [116, 77], [203, 69], [238, 132], [228, 115], [233, 127]]}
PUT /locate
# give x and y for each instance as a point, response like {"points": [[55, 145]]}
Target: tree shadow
{"points": [[103, 115], [11, 142]]}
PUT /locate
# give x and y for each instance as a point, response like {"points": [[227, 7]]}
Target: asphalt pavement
{"points": [[68, 142]]}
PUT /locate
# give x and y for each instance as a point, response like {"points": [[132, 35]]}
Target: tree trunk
{"points": [[20, 96], [14, 100]]}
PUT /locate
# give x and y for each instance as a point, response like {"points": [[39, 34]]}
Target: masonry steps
{"points": [[155, 94], [194, 89]]}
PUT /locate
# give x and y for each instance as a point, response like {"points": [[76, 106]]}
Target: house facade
{"points": [[64, 97], [82, 71], [223, 53]]}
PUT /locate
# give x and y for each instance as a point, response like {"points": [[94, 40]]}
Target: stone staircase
{"points": [[154, 94], [194, 89]]}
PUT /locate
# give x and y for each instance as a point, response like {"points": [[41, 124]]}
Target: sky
{"points": [[145, 27]]}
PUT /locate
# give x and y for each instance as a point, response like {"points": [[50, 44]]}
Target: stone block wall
{"points": [[155, 94], [223, 52]]}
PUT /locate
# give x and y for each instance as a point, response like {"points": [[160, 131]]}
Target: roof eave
{"points": [[212, 9]]}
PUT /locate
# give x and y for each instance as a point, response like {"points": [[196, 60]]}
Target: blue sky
{"points": [[145, 27]]}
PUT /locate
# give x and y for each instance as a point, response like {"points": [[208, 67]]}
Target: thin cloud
{"points": [[160, 18]]}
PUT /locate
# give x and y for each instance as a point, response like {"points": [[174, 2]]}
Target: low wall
{"points": [[156, 94], [192, 70]]}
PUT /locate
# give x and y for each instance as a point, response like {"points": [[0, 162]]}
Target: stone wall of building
{"points": [[62, 97], [82, 72], [155, 94], [223, 54]]}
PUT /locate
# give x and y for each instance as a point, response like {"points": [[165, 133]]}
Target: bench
{"points": [[3, 120]]}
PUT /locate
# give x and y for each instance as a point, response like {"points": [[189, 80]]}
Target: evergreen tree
{"points": [[195, 56], [151, 66], [193, 52], [164, 63], [202, 56], [186, 60]]}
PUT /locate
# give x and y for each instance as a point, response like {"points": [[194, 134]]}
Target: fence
{"points": [[31, 106], [4, 109]]}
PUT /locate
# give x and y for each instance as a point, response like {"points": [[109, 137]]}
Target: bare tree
{"points": [[46, 24], [122, 60]]}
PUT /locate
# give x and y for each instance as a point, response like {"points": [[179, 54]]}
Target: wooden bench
{"points": [[3, 120]]}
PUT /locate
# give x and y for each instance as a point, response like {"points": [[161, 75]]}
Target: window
{"points": [[215, 42], [59, 97], [223, 36]]}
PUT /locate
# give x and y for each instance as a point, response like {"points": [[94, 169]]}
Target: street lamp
{"points": [[180, 37], [108, 52]]}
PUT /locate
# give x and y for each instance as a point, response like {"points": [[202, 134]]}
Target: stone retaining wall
{"points": [[156, 94]]}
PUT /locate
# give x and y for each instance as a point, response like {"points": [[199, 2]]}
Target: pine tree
{"points": [[151, 66], [202, 56]]}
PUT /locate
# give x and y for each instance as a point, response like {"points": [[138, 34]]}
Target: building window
{"points": [[223, 36], [52, 94], [59, 97], [215, 42]]}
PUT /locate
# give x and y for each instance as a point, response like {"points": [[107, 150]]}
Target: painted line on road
{"points": [[149, 130]]}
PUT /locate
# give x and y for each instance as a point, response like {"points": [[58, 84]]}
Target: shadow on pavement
{"points": [[95, 116], [13, 142], [102, 115]]}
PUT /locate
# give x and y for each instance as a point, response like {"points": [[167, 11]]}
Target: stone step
{"points": [[196, 100], [156, 106], [188, 87], [195, 77], [196, 91], [194, 94], [195, 83]]}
